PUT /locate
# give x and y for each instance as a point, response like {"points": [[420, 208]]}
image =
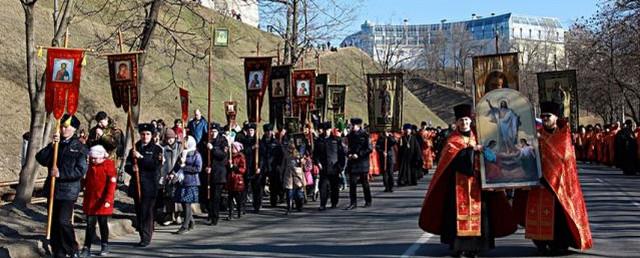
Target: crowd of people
{"points": [[613, 145], [221, 169]]}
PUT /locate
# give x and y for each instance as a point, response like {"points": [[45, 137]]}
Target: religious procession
{"points": [[193, 132]]}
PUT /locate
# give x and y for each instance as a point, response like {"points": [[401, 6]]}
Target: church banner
{"points": [[230, 111], [62, 89], [322, 81], [495, 72], [123, 75], [385, 98], [560, 87], [184, 104], [279, 89], [506, 128], [257, 73], [336, 98]]}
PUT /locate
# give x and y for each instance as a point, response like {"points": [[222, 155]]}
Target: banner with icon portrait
{"points": [[384, 98], [560, 87], [336, 98], [62, 90], [492, 72], [184, 104], [257, 73], [123, 75], [322, 81], [279, 94]]}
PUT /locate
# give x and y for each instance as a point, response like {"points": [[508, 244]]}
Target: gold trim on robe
{"points": [[540, 215]]}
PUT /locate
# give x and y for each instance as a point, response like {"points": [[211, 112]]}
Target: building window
{"points": [[530, 34], [539, 34], [520, 32]]}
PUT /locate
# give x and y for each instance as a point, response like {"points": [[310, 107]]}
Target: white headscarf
{"points": [[191, 145], [98, 151]]}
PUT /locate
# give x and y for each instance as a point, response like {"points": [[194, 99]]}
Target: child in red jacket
{"points": [[235, 184], [100, 187]]}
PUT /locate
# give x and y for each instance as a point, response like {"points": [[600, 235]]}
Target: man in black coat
{"points": [[252, 177], [271, 156], [147, 161], [358, 164], [386, 168], [70, 167], [626, 149], [216, 175], [410, 157], [330, 156]]}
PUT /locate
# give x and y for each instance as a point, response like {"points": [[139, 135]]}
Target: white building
{"points": [[247, 10], [516, 33]]}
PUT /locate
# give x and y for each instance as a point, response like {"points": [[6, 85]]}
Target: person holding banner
{"points": [[271, 157], [71, 167], [329, 155], [466, 218], [148, 157], [555, 214], [217, 177]]}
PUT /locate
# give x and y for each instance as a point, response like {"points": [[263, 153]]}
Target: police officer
{"points": [[148, 162], [329, 155], [252, 176], [71, 167], [359, 148]]}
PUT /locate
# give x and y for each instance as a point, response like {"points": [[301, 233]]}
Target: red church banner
{"points": [[184, 103], [123, 74], [257, 73], [64, 67]]}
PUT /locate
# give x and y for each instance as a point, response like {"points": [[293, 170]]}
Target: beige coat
{"points": [[293, 176]]}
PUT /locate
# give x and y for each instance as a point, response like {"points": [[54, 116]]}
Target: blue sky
{"points": [[432, 11]]}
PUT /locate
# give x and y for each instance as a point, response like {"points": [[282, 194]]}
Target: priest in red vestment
{"points": [[455, 207], [426, 135], [554, 214]]}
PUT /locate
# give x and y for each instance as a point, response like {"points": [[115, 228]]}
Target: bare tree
{"points": [[38, 120]]}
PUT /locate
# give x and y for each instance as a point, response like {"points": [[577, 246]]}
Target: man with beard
{"points": [[104, 134], [384, 146], [554, 214], [216, 174], [410, 157], [455, 207], [627, 149], [329, 155], [359, 148]]}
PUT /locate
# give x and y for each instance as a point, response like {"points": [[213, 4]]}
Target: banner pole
{"points": [[209, 114]]}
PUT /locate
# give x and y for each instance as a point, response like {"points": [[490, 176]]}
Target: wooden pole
{"points": [[385, 153], [210, 79], [256, 133], [318, 62], [54, 166], [136, 171], [258, 48], [278, 51], [120, 41], [53, 181]]}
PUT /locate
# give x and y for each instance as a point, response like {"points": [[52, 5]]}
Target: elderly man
{"points": [[198, 126]]}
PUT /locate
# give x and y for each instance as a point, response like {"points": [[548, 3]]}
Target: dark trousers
{"points": [[214, 203], [353, 183], [90, 232], [387, 174], [145, 213], [187, 212], [275, 190], [256, 184], [329, 184], [63, 238], [237, 196]]}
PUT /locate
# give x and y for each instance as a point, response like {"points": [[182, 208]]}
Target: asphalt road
{"points": [[388, 228]]}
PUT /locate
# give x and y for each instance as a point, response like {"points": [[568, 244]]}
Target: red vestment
{"points": [[468, 194], [427, 148], [590, 149], [374, 166], [612, 146], [536, 208]]}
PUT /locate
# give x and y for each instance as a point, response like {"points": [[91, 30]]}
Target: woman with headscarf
{"points": [[235, 183], [187, 170]]}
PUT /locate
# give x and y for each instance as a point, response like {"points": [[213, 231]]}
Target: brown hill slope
{"points": [[158, 96]]}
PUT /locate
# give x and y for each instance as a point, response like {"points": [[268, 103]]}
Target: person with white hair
{"points": [[100, 188], [188, 182]]}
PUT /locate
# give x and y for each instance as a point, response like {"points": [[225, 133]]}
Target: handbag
{"points": [[309, 178]]}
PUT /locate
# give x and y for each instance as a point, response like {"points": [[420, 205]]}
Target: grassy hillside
{"points": [[158, 94]]}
